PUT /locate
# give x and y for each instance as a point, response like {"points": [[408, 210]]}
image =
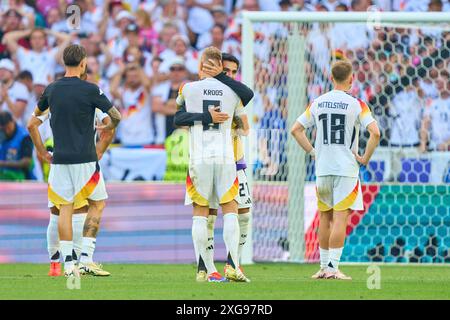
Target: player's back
{"points": [[338, 117], [72, 103], [214, 140]]}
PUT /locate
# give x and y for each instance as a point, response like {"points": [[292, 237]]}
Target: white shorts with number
{"points": [[74, 183], [339, 193], [208, 183], [244, 196]]}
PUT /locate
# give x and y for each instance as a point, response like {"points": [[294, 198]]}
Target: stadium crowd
{"points": [[141, 51]]}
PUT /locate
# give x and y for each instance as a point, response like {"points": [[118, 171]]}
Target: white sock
{"points": [[324, 258], [200, 239], [88, 249], [53, 239], [209, 255], [66, 251], [335, 257], [77, 227], [243, 231], [231, 237]]}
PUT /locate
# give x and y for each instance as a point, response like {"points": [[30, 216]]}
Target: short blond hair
{"points": [[212, 53], [341, 70]]}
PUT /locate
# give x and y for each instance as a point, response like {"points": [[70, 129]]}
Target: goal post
{"points": [[287, 72]]}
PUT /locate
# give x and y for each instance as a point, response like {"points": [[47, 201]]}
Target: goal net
{"points": [[401, 67]]}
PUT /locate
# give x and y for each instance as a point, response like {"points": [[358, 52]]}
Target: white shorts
{"points": [[74, 183], [245, 197], [339, 193], [211, 183]]}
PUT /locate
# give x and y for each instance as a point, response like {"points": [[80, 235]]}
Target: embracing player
{"points": [[338, 117], [212, 173], [226, 73]]}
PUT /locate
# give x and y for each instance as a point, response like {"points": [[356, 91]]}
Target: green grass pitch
{"points": [[269, 281]]}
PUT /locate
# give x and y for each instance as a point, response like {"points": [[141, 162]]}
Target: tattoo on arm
{"points": [[238, 121], [115, 116]]}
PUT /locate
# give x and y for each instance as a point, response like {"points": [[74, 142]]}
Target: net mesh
{"points": [[402, 72]]}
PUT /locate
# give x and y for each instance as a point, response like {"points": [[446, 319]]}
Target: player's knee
{"points": [[98, 205]]}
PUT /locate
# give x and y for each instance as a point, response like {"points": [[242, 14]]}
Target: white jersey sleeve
{"points": [[306, 119], [365, 116], [100, 115], [44, 117]]}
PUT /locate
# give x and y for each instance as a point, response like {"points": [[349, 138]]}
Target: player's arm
{"points": [[37, 118], [106, 138], [242, 91], [368, 122], [372, 143], [298, 131], [100, 101], [183, 118], [187, 119], [241, 120]]}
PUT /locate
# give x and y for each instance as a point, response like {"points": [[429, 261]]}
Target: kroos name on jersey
{"points": [[209, 92], [333, 105]]}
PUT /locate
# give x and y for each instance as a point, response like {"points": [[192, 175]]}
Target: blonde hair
{"points": [[212, 53], [142, 14], [341, 70]]}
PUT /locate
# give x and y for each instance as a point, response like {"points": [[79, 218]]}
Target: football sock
{"points": [[209, 255], [53, 238], [88, 249], [243, 231], [324, 258], [335, 257], [66, 251], [77, 227], [231, 237], [200, 239]]}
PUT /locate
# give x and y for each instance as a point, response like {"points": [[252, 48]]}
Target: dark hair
{"points": [[25, 74], [5, 118], [220, 26], [230, 57], [73, 55]]}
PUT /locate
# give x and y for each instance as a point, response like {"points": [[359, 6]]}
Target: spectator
{"points": [[180, 46], [200, 19], [26, 78], [14, 95], [164, 98], [435, 129], [148, 37], [216, 38], [39, 60], [132, 97], [16, 150], [11, 21]]}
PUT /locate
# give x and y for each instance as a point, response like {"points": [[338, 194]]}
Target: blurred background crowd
{"points": [[141, 51]]}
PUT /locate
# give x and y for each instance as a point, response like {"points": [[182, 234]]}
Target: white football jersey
{"points": [[337, 116], [439, 112], [213, 140]]}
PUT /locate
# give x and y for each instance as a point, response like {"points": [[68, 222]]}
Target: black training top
{"points": [[72, 103]]}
